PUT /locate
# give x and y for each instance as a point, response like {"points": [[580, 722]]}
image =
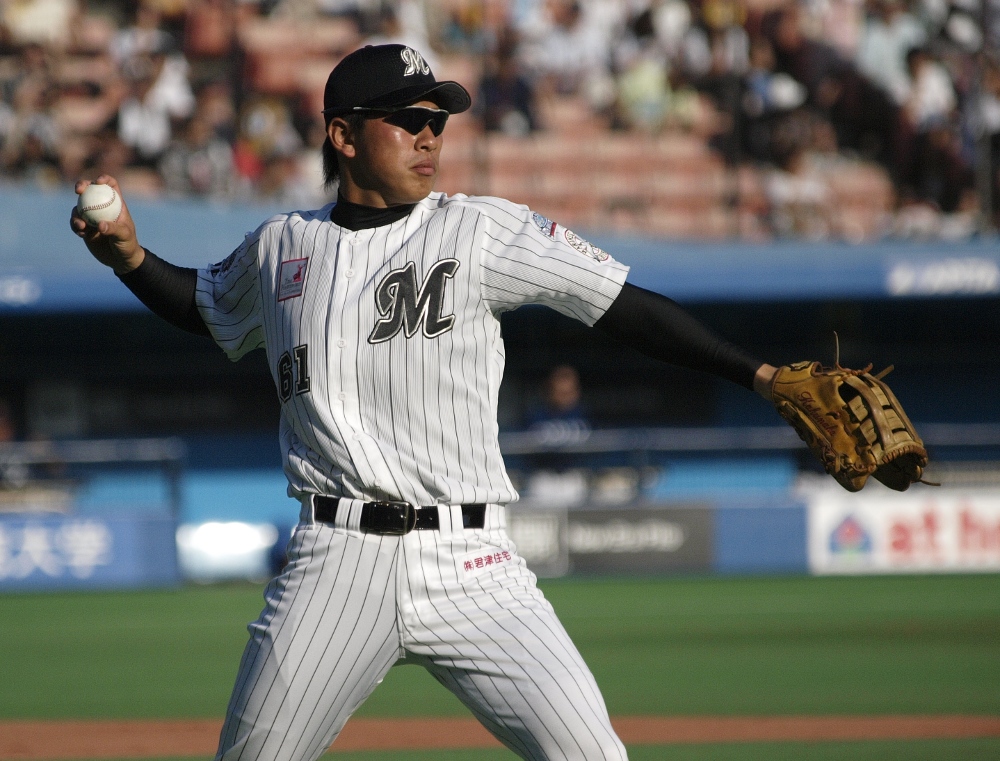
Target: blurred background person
{"points": [[560, 414], [506, 98], [557, 478]]}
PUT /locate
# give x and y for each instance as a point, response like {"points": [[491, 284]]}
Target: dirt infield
{"points": [[60, 740]]}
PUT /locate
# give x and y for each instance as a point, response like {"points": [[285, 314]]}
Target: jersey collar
{"points": [[354, 216]]}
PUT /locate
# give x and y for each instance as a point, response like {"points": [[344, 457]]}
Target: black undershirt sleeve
{"points": [[168, 291], [659, 328]]}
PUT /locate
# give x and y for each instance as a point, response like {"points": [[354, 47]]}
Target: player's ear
{"points": [[341, 136]]}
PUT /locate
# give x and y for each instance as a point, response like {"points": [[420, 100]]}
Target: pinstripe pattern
{"points": [[410, 419], [408, 413]]}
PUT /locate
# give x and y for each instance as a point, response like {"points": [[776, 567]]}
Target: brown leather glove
{"points": [[852, 422]]}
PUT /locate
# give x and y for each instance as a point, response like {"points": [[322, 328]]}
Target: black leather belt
{"points": [[396, 518]]}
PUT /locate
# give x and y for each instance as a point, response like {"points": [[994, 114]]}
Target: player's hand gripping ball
{"points": [[99, 203], [852, 422]]}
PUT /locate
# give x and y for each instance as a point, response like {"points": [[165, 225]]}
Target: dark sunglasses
{"points": [[411, 118]]}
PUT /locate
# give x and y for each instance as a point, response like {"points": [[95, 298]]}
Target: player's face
{"points": [[391, 166]]}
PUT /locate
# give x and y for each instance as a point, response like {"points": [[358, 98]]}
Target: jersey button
{"points": [[341, 343], [341, 396], [353, 241], [349, 273], [356, 437]]}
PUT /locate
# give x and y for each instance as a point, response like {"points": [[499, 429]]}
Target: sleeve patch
{"points": [[584, 247], [223, 267], [544, 224]]}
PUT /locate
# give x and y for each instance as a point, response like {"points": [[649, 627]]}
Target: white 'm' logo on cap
{"points": [[414, 62]]}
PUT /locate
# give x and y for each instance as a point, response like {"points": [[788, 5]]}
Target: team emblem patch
{"points": [[585, 248], [223, 267], [544, 224], [415, 63], [292, 278]]}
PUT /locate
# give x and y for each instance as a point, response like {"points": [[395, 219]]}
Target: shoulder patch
{"points": [[544, 224], [585, 247], [223, 267]]}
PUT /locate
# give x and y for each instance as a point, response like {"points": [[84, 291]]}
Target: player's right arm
{"points": [[167, 290], [113, 244]]}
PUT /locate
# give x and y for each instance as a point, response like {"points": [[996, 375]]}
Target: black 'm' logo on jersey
{"points": [[406, 307]]}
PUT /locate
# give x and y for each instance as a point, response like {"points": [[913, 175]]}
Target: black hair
{"points": [[331, 170]]}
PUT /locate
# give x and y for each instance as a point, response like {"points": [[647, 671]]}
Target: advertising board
{"points": [[76, 552], [632, 540], [919, 531]]}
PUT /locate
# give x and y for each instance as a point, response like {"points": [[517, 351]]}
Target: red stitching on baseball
{"points": [[114, 195]]}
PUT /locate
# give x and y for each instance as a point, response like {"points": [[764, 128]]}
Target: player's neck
{"points": [[355, 216]]}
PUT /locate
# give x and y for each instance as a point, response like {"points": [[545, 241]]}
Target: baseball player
{"points": [[379, 315]]}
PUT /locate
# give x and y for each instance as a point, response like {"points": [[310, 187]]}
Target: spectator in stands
{"points": [[798, 193], [160, 94], [461, 26], [931, 97], [717, 46], [865, 118], [215, 106], [209, 29], [266, 138], [198, 162], [643, 93], [31, 135], [889, 32], [839, 23], [767, 95], [986, 116], [143, 37], [937, 175], [670, 21], [47, 23], [716, 54], [34, 63], [306, 185], [653, 89], [143, 125], [403, 23], [568, 52], [506, 99]]}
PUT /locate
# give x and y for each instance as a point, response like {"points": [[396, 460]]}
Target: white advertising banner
{"points": [[918, 531]]}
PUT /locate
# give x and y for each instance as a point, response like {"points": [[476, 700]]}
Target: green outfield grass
{"points": [[876, 645], [924, 644]]}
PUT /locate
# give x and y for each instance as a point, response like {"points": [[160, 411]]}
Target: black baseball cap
{"points": [[388, 76]]}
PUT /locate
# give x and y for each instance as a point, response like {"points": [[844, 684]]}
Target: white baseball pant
{"points": [[460, 602]]}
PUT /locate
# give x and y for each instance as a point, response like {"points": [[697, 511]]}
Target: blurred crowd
{"points": [[221, 98]]}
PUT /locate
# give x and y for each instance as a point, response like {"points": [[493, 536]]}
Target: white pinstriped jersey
{"points": [[385, 344]]}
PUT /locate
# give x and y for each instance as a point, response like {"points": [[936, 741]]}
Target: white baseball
{"points": [[99, 203]]}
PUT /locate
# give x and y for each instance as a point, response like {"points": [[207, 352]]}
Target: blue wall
{"points": [[78, 552], [45, 268]]}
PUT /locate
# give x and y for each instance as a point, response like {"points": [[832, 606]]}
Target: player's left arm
{"points": [[660, 328], [850, 419], [529, 259]]}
